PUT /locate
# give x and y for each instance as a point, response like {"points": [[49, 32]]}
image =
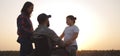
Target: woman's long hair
{"points": [[25, 8]]}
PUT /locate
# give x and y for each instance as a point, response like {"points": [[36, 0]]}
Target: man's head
{"points": [[43, 19]]}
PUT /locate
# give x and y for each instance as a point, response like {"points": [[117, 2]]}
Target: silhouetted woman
{"points": [[25, 29], [70, 34]]}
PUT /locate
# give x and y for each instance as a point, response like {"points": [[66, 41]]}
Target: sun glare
{"points": [[59, 11], [98, 21]]}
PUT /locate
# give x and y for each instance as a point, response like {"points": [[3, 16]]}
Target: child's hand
{"points": [[68, 43]]}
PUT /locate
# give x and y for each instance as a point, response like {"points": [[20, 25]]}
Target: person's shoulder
{"points": [[66, 27], [75, 27], [46, 29], [22, 16], [50, 30], [19, 16], [41, 29]]}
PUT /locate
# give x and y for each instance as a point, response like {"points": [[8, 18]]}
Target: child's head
{"points": [[70, 20]]}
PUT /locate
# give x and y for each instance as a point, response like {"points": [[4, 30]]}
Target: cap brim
{"points": [[49, 16]]}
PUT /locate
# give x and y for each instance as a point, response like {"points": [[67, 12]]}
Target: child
{"points": [[70, 34]]}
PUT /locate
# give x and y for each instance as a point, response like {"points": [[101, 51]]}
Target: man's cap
{"points": [[42, 17]]}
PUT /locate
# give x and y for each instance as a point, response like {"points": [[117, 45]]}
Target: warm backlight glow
{"points": [[98, 21]]}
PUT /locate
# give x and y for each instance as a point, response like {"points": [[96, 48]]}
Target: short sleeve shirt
{"points": [[68, 33]]}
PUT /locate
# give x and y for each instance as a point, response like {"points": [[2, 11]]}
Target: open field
{"points": [[9, 53], [99, 53], [79, 53]]}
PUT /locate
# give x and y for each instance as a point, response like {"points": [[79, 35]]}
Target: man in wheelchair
{"points": [[47, 43]]}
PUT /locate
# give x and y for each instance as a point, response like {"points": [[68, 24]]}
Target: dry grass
{"points": [[99, 53], [79, 53], [9, 53]]}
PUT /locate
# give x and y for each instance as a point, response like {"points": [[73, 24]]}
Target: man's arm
{"points": [[56, 39]]}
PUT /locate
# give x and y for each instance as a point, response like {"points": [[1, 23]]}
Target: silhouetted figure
{"points": [[70, 34], [44, 37], [25, 29]]}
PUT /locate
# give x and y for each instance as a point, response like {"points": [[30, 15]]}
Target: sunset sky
{"points": [[98, 21]]}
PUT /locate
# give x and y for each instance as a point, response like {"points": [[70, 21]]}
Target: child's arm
{"points": [[75, 35], [62, 35]]}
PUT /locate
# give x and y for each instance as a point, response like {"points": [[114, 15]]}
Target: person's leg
{"points": [[72, 50], [26, 47]]}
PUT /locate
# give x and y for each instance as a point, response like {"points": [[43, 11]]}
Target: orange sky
{"points": [[98, 21]]}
